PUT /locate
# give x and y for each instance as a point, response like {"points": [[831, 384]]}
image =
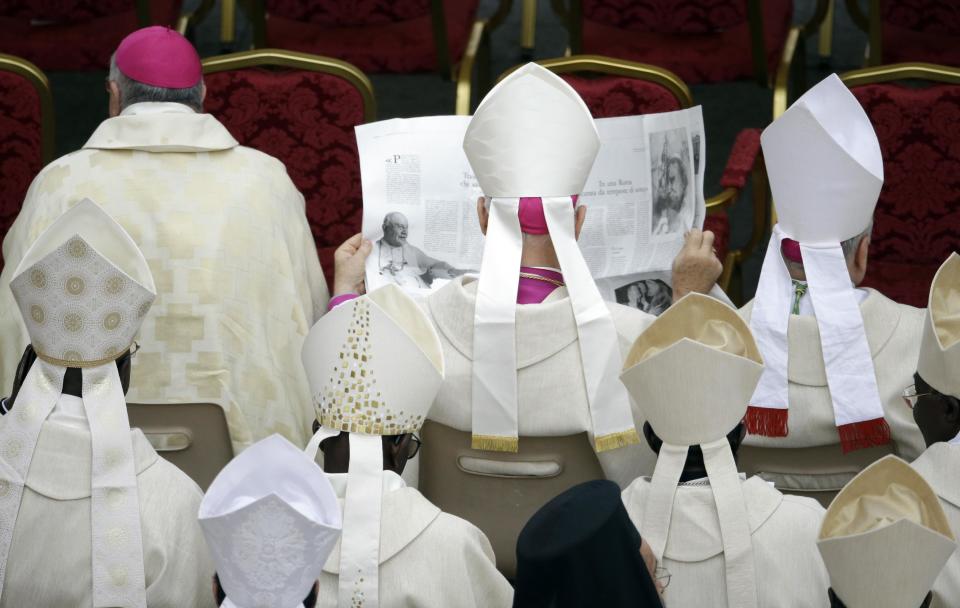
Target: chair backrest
{"points": [[337, 13], [26, 133], [301, 109], [930, 16], [499, 491], [917, 220], [193, 436], [63, 10], [667, 16]]}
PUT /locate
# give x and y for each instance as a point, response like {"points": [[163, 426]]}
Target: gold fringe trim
{"points": [[80, 364], [495, 443], [616, 440]]}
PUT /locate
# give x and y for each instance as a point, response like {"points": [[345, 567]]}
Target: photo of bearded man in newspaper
{"points": [[672, 181], [404, 264], [649, 295]]}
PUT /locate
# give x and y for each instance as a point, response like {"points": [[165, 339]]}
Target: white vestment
{"points": [[940, 466], [783, 532], [50, 555], [224, 232], [893, 333], [551, 393], [427, 558]]}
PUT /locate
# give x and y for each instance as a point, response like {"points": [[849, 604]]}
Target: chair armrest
{"points": [[742, 158]]}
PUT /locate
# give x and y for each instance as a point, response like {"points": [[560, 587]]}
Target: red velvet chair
{"points": [[26, 133], [78, 34], [301, 109], [384, 36], [613, 87], [910, 30], [917, 221], [702, 41]]}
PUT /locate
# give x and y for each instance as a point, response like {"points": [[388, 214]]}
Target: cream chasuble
{"points": [[50, 556], [427, 558], [550, 386], [224, 232], [815, 462], [783, 533], [940, 466]]}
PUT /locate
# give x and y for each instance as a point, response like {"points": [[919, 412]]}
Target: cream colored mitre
{"points": [[83, 289], [885, 537], [531, 136], [374, 364], [271, 519], [692, 371], [939, 363], [824, 163]]}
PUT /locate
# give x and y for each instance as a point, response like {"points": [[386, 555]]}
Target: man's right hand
{"points": [[349, 265], [696, 267]]}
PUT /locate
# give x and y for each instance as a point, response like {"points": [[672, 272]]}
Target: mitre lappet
{"points": [[708, 352], [83, 289], [531, 145], [374, 365], [826, 171], [885, 537], [940, 342], [270, 518]]}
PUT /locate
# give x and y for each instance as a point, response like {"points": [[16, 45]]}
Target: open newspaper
{"points": [[644, 192]]}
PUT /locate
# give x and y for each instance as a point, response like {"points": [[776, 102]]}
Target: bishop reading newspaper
{"points": [[526, 389]]}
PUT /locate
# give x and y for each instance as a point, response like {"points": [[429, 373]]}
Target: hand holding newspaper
{"points": [[644, 192]]}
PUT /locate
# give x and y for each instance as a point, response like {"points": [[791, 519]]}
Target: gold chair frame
{"points": [[476, 53], [36, 77], [278, 58], [673, 83], [793, 46]]}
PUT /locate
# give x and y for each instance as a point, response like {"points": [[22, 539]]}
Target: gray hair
{"points": [[133, 91], [848, 246]]}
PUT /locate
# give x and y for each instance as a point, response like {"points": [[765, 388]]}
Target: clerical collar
{"points": [[156, 107], [391, 482], [704, 482]]}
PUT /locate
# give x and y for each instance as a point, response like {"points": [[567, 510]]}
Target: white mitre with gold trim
{"points": [[271, 519], [533, 138], [885, 537], [375, 365], [83, 289], [713, 364], [939, 363]]}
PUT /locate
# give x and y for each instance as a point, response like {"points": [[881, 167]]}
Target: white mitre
{"points": [[826, 171], [707, 351], [271, 519], [939, 363], [83, 289], [533, 136], [885, 538], [374, 365]]}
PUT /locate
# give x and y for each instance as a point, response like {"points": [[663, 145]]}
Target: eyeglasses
{"points": [[413, 447], [911, 396], [662, 575]]}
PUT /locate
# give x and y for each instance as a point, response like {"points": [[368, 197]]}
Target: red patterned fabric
{"points": [[306, 120], [742, 157], [921, 30], [73, 34], [719, 223], [715, 56], [393, 47], [917, 221], [332, 13], [20, 149], [667, 16]]}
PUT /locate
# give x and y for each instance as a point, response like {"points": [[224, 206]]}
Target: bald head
{"points": [[395, 227]]}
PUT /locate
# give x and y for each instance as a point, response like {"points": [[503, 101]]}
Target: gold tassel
{"points": [[495, 443], [616, 440]]}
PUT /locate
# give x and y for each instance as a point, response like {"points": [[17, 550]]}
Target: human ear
{"points": [[483, 215], [113, 105], [578, 221]]}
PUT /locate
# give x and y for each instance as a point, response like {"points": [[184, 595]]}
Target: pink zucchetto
{"points": [[160, 57]]}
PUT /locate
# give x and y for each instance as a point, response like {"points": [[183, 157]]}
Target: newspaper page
{"points": [[644, 192]]}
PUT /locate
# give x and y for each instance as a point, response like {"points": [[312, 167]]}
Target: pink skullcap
{"points": [[532, 219], [160, 57], [791, 250]]}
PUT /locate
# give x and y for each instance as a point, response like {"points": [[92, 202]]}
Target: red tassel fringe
{"points": [[866, 434], [766, 421]]}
